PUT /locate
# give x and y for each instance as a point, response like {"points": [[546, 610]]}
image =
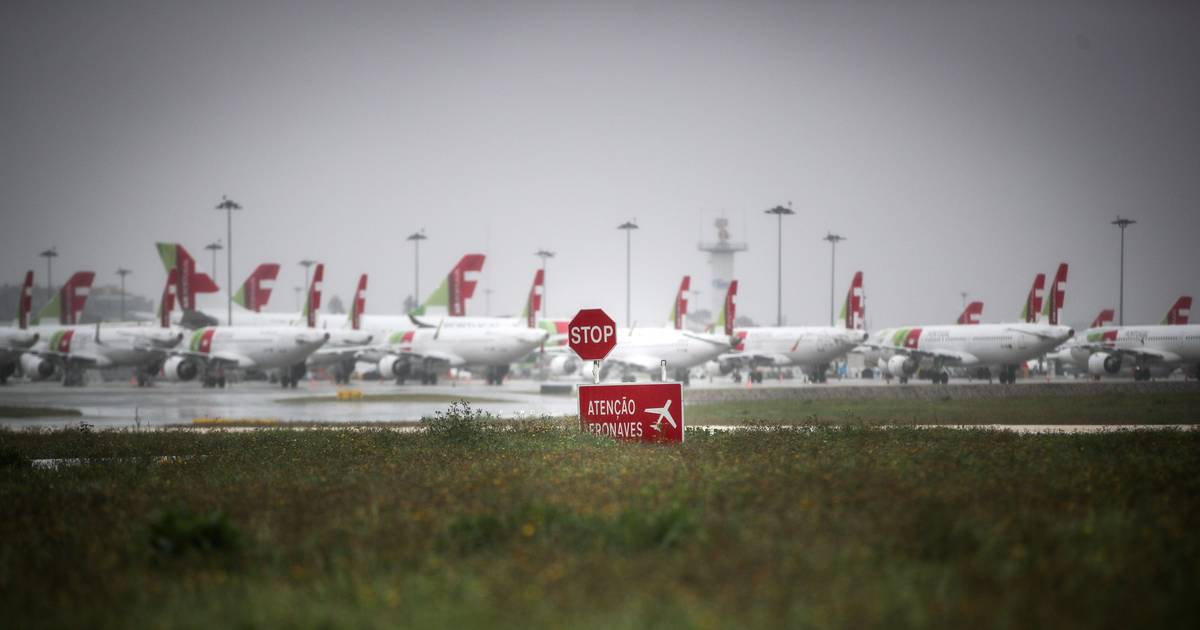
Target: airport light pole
{"points": [[780, 211], [307, 263], [544, 254], [416, 238], [50, 255], [833, 239], [214, 247], [1122, 223], [123, 272], [629, 227], [964, 299], [228, 205]]}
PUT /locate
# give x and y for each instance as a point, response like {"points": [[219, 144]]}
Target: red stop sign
{"points": [[592, 334]]}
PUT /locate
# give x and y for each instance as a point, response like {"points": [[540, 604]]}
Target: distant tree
{"points": [[335, 306]]}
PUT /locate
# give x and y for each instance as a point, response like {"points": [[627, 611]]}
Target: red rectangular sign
{"points": [[650, 412]]}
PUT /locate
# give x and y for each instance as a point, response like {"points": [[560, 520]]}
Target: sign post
{"points": [[648, 412]]}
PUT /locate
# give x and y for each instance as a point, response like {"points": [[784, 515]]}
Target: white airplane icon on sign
{"points": [[664, 413]]}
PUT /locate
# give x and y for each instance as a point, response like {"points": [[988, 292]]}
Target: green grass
{"points": [[8, 411], [534, 524], [407, 397], [1164, 408]]}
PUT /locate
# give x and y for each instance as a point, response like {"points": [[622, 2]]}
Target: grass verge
{"points": [[1118, 408], [404, 397], [526, 524]]}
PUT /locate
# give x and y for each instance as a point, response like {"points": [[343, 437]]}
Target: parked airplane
{"points": [[931, 350], [213, 351], [810, 348], [15, 340], [642, 349], [1146, 351]]}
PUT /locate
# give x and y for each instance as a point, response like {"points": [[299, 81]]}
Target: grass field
{"points": [[525, 525], [1163, 408]]}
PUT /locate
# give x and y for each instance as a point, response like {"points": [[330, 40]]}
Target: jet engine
{"points": [[900, 365], [392, 366], [180, 369], [563, 364], [36, 367], [1102, 363]]}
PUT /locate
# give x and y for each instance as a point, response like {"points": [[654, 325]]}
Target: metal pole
{"points": [[832, 275], [1122, 223], [779, 275], [628, 259], [416, 271], [1121, 291], [229, 266]]}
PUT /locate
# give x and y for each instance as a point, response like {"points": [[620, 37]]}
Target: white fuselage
{"points": [[487, 346], [980, 345], [1159, 346], [89, 346], [805, 346], [259, 347], [644, 348]]}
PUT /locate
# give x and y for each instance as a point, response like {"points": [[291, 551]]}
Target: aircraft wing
{"points": [[1149, 355], [85, 358], [340, 353], [754, 358], [948, 357], [223, 359], [637, 361], [453, 360]]}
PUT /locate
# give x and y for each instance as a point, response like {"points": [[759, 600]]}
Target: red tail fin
{"points": [[1033, 301], [854, 310], [463, 279], [534, 303], [1058, 294], [25, 302], [359, 305], [74, 295], [681, 302], [314, 295], [1180, 312], [1104, 318], [168, 299], [971, 314], [256, 290], [190, 282], [730, 307]]}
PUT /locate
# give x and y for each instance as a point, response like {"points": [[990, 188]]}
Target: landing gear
{"points": [[496, 374], [342, 372], [429, 378], [904, 380], [683, 375], [7, 371], [1141, 374], [72, 377], [941, 378], [1008, 375]]}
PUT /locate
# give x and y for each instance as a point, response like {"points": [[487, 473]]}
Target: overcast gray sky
{"points": [[959, 145]]}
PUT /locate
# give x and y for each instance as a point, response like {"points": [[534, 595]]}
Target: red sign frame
{"points": [[646, 412], [591, 319]]}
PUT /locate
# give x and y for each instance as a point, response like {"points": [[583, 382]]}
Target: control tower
{"points": [[720, 261]]}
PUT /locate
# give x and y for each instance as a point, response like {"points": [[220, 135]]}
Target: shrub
{"points": [[460, 424], [179, 532]]}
